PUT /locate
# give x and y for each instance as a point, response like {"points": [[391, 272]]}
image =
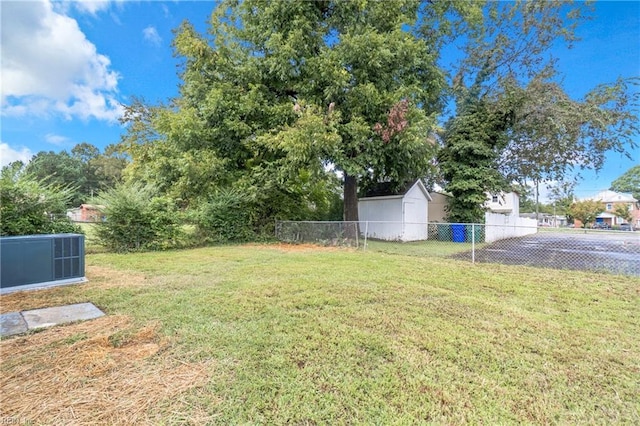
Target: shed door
{"points": [[414, 216]]}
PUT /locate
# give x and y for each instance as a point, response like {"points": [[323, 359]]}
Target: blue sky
{"points": [[67, 67]]}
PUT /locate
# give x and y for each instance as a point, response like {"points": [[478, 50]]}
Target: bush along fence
{"points": [[507, 243]]}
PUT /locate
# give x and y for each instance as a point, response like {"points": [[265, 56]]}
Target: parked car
{"points": [[601, 225], [626, 227]]}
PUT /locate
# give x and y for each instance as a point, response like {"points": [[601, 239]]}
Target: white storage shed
{"points": [[396, 216]]}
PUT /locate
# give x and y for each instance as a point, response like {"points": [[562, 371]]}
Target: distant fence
{"points": [[500, 227], [356, 234], [325, 233], [510, 242]]}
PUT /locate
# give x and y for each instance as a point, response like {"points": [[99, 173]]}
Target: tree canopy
{"points": [[542, 134], [280, 91], [628, 182], [472, 144], [279, 96], [586, 211], [623, 212], [85, 172], [59, 169], [573, 135]]}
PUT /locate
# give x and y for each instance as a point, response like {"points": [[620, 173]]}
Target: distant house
{"points": [[503, 219], [611, 200], [503, 202], [546, 219], [395, 215], [437, 207], [86, 213]]}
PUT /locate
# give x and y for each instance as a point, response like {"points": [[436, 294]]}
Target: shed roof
{"points": [[391, 189]]}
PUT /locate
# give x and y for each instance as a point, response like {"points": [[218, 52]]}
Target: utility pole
{"points": [[537, 200]]}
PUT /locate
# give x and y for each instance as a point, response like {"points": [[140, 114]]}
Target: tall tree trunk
{"points": [[351, 207], [350, 198]]}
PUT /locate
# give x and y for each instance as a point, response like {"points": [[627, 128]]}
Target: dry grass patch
{"points": [[105, 371], [36, 299], [100, 278]]}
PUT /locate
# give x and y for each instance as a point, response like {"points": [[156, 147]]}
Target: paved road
{"points": [[617, 252]]}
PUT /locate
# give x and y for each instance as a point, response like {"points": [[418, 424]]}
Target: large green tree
{"points": [[572, 134], [279, 91], [473, 140], [547, 135], [85, 171], [60, 169], [586, 211], [105, 169], [628, 182]]}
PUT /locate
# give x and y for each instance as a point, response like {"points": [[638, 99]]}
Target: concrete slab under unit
{"points": [[43, 285], [47, 317], [12, 323]]}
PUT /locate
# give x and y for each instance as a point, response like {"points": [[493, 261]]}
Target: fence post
{"points": [[473, 243], [356, 224], [366, 232]]}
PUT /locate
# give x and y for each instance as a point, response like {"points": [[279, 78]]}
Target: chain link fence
{"points": [[608, 251], [342, 234]]}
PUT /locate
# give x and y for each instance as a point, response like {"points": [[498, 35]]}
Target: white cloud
{"points": [[151, 35], [9, 155], [91, 6], [165, 9], [49, 66], [55, 139]]}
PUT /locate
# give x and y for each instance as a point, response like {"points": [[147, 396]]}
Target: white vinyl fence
{"points": [[500, 227]]}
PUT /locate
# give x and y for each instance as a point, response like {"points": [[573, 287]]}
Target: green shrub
{"points": [[138, 219], [29, 206], [225, 217]]}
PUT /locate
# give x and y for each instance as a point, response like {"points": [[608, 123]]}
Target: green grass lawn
{"points": [[428, 248], [351, 337]]}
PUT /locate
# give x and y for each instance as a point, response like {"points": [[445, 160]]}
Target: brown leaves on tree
{"points": [[396, 122]]}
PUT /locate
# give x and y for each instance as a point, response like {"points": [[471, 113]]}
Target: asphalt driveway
{"points": [[616, 252]]}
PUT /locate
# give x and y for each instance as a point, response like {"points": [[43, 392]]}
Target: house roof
{"points": [[390, 189], [613, 197], [443, 193]]}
